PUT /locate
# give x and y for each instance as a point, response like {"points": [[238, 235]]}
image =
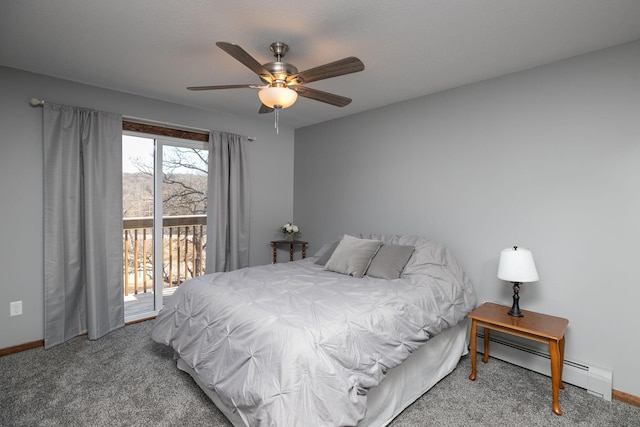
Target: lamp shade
{"points": [[282, 97], [517, 265]]}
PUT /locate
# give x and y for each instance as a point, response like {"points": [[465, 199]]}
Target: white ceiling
{"points": [[410, 48]]}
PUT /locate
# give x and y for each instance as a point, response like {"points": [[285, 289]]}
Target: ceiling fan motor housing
{"points": [[280, 70]]}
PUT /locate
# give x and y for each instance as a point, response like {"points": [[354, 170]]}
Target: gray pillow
{"points": [[352, 256], [326, 251], [389, 262]]}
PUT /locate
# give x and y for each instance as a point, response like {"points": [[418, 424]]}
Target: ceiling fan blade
{"points": [[253, 86], [247, 60], [337, 68], [326, 97], [264, 109]]}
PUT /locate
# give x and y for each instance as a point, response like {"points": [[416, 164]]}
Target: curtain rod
{"points": [[40, 102]]}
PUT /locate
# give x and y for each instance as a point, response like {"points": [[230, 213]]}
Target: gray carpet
{"points": [[125, 379]]}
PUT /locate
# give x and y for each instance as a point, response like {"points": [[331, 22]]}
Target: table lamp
{"points": [[516, 266]]}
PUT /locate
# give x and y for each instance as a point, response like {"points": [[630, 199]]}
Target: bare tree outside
{"points": [[184, 180], [184, 202]]}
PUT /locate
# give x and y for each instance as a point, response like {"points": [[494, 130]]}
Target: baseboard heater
{"points": [[596, 380]]}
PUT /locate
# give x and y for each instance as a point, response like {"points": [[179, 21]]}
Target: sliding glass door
{"points": [[164, 218]]}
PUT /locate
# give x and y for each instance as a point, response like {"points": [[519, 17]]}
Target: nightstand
{"points": [[291, 243], [534, 326]]}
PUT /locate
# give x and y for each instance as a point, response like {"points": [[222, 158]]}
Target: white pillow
{"points": [[352, 256]]}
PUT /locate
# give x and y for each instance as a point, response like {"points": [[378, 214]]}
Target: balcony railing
{"points": [[183, 251]]}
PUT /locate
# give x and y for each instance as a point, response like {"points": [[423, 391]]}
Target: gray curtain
{"points": [[228, 203], [82, 223]]}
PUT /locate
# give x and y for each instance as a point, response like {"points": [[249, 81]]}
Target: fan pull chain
{"points": [[277, 113]]}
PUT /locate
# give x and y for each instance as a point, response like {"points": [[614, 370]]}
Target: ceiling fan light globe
{"points": [[278, 96]]}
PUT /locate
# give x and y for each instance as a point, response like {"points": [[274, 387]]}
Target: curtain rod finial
{"points": [[36, 102]]}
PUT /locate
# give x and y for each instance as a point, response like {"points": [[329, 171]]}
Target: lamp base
{"points": [[515, 308], [515, 312]]}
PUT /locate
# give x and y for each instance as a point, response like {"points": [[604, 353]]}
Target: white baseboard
{"points": [[596, 380]]}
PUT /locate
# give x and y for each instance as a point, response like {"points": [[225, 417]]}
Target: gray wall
{"points": [[546, 158], [21, 187]]}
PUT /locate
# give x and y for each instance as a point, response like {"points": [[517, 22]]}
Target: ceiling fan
{"points": [[282, 83]]}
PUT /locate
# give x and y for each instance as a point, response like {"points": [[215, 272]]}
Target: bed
{"points": [[350, 336]]}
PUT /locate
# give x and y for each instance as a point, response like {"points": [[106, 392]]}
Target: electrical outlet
{"points": [[15, 308]]}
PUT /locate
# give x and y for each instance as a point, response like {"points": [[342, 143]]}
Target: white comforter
{"points": [[294, 345]]}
